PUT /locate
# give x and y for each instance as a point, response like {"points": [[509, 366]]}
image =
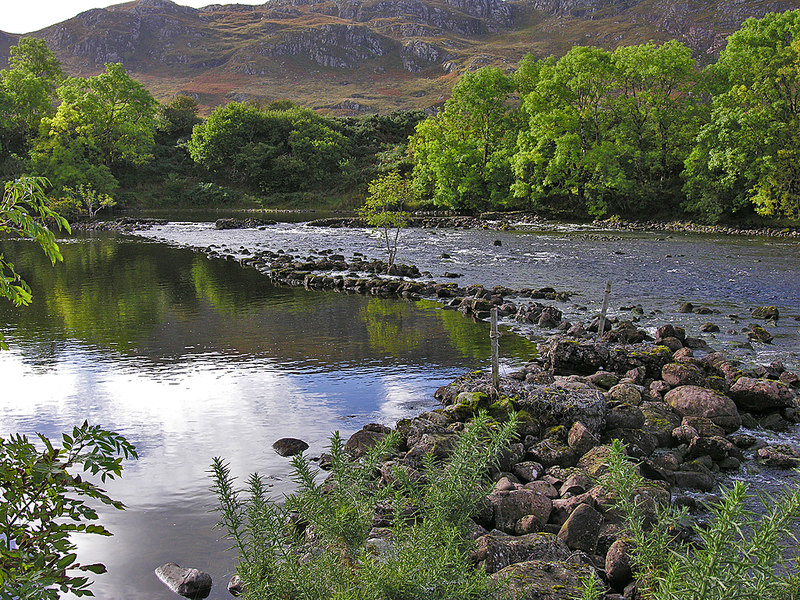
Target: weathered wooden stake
{"points": [[494, 335], [602, 326]]}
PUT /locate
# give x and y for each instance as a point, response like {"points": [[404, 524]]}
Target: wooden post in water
{"points": [[494, 335], [602, 326]]}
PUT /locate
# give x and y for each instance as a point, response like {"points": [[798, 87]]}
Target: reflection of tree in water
{"points": [[389, 327], [166, 304]]}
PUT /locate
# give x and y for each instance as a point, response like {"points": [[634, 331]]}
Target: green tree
{"points": [[27, 95], [176, 119], [747, 153], [104, 124], [383, 210], [25, 212], [268, 150], [461, 155], [567, 148], [88, 199], [657, 121]]}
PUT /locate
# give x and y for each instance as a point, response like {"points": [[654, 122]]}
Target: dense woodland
{"points": [[637, 132]]}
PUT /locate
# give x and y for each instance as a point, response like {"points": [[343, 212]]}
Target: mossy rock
{"points": [[501, 409], [475, 401]]}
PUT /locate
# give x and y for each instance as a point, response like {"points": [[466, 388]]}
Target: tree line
{"points": [[636, 132]]}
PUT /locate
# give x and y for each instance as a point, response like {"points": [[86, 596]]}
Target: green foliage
{"points": [[383, 210], [88, 199], [736, 555], [461, 155], [103, 125], [317, 544], [747, 152], [268, 150], [27, 94], [176, 119], [45, 504], [607, 132], [25, 212]]}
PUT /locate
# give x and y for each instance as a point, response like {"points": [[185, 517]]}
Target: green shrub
{"points": [[316, 544], [44, 505], [736, 555]]}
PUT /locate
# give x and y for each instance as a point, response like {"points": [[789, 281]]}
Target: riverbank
{"points": [[687, 416]]}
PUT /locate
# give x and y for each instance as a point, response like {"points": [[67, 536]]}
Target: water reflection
{"points": [[191, 359]]}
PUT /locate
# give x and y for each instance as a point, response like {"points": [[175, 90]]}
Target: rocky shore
{"points": [[686, 415]]}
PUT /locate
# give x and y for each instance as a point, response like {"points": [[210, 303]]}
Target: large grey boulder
{"points": [[497, 552], [540, 580], [187, 582], [761, 395], [509, 506], [695, 401]]}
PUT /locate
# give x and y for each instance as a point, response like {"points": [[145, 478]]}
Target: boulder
{"points": [[528, 470], [550, 452], [580, 439], [779, 455], [761, 395], [289, 446], [695, 401], [618, 564], [625, 416], [625, 393], [572, 356], [541, 580], [510, 506], [361, 441], [581, 529], [497, 552], [186, 582], [677, 374], [659, 420], [766, 312], [759, 334]]}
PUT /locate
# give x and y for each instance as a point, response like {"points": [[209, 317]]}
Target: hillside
{"points": [[350, 56]]}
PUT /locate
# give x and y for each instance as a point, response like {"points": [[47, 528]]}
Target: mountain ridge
{"points": [[351, 56]]}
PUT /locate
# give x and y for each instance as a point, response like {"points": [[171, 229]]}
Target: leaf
{"points": [[96, 568]]}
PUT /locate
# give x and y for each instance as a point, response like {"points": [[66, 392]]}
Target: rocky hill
{"points": [[349, 56]]}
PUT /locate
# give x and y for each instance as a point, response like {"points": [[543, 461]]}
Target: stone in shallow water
{"points": [[187, 582], [289, 446]]}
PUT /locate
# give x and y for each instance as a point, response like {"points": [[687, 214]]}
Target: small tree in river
{"points": [[383, 210], [89, 199]]}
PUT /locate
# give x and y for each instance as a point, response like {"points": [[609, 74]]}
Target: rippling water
{"points": [[193, 358]]}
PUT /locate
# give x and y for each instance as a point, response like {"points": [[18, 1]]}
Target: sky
{"points": [[25, 16]]}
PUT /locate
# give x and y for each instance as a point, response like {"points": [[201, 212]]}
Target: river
{"points": [[193, 358]]}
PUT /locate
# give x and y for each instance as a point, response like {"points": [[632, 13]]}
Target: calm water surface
{"points": [[193, 358]]}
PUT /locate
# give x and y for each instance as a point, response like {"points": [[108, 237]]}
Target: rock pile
{"points": [[549, 523]]}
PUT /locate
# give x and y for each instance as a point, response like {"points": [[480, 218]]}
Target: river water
{"points": [[192, 357]]}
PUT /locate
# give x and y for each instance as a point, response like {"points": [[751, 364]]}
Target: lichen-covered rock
{"points": [[761, 395], [540, 580], [681, 373], [580, 439], [780, 456], [640, 443], [659, 420], [625, 393], [595, 462], [528, 470], [572, 356], [510, 506], [694, 401], [625, 416], [361, 441], [766, 312], [498, 552], [550, 452]]}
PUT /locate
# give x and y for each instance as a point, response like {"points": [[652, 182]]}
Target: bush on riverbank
{"points": [[736, 554], [350, 537]]}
